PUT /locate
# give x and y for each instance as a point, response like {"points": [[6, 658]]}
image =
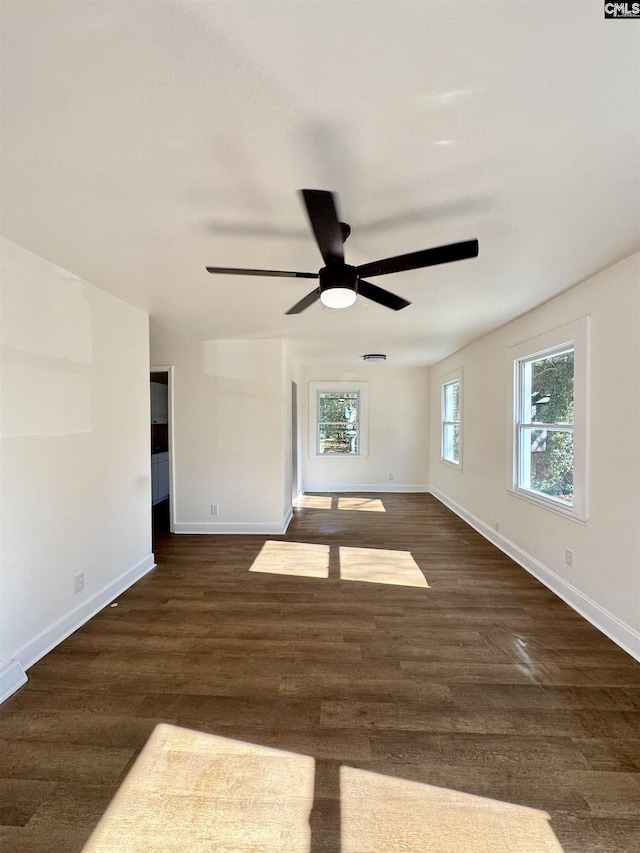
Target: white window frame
{"points": [[574, 336], [361, 388], [449, 379]]}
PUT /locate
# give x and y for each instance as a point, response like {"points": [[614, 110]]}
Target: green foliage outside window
{"points": [[552, 403], [338, 422]]}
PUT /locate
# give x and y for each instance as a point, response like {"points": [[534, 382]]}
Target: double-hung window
{"points": [[451, 426], [338, 419], [545, 424], [550, 419]]}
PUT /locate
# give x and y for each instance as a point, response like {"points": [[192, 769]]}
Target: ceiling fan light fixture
{"points": [[374, 356], [338, 297]]}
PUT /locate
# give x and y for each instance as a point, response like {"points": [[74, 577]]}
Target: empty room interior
{"points": [[320, 426]]}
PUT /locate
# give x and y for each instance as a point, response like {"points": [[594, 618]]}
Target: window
{"points": [[550, 389], [545, 425], [338, 419], [451, 436]]}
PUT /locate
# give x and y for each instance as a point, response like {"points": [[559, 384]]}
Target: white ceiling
{"points": [[142, 141]]}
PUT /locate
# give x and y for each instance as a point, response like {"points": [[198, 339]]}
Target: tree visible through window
{"points": [[545, 425], [338, 422]]}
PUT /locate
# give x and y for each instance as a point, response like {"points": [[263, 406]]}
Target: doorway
{"points": [[295, 486], [161, 433]]}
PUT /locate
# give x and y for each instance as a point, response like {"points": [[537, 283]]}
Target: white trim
{"points": [[577, 335], [549, 503], [52, 636], [236, 527], [364, 487], [448, 379], [622, 634]]}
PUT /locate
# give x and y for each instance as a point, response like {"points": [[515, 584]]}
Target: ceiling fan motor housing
{"points": [[338, 275]]}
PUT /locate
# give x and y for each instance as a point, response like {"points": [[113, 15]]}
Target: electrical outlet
{"points": [[497, 527], [568, 557], [78, 583], [214, 509], [391, 476]]}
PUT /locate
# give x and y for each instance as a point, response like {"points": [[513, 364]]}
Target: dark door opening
{"points": [[160, 479], [295, 488]]}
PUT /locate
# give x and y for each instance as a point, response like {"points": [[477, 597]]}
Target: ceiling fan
{"points": [[339, 282]]}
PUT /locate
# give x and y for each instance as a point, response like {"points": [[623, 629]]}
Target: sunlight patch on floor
{"points": [[313, 501], [367, 565], [361, 504], [383, 813], [197, 792], [377, 565], [328, 502], [293, 558]]}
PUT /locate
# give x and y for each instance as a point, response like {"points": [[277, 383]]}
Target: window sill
{"points": [[338, 455], [457, 466], [569, 512]]}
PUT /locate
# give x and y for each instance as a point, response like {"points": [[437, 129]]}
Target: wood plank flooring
{"points": [[484, 685]]}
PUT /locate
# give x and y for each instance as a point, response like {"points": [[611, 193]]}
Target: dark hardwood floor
{"points": [[484, 683]]}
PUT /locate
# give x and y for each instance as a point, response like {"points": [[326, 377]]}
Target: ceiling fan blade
{"points": [[323, 217], [378, 294], [309, 299], [425, 258], [280, 273]]}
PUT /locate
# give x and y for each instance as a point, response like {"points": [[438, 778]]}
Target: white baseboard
{"points": [[365, 487], [287, 519], [235, 527], [52, 636], [621, 634]]}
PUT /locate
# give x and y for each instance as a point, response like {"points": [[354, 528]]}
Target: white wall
{"points": [[398, 432], [228, 425], [604, 582], [75, 475]]}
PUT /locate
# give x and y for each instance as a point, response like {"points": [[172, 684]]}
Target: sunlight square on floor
{"points": [[379, 565], [358, 504], [313, 501], [380, 813], [293, 558], [196, 792], [361, 504]]}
